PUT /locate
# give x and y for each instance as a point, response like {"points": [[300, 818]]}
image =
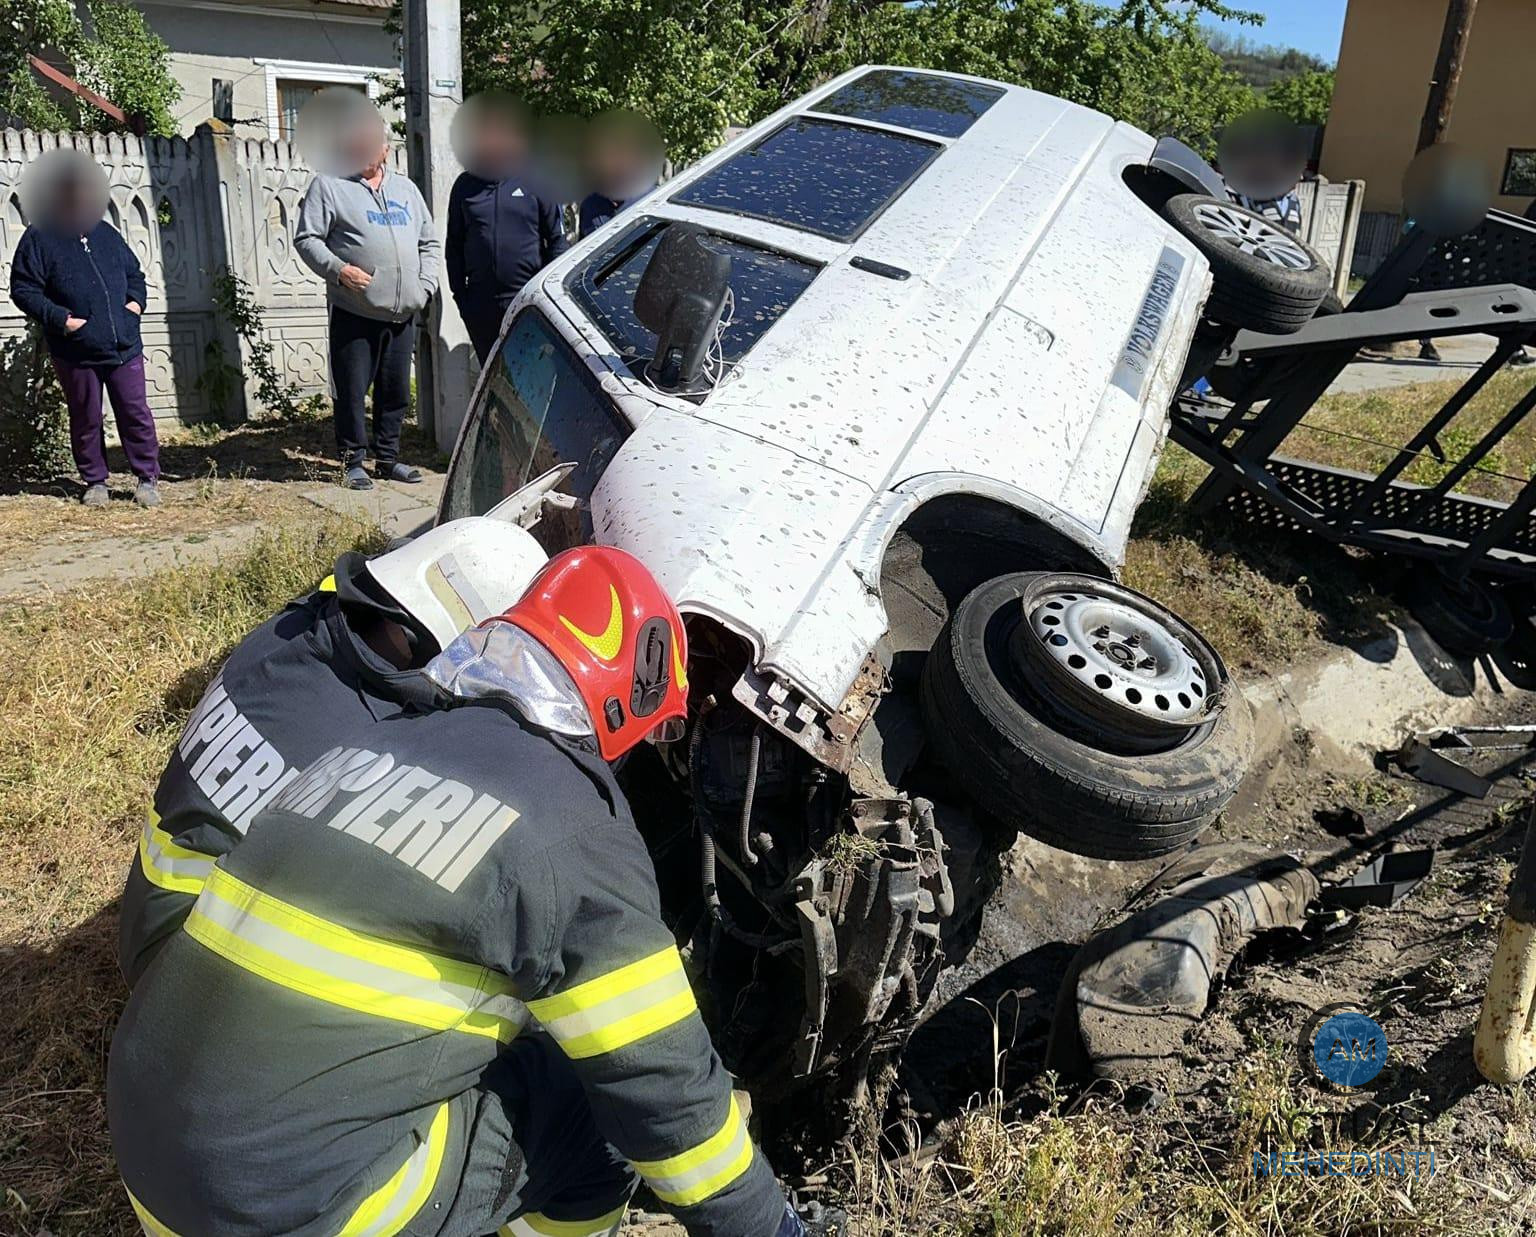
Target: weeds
{"points": [[280, 398]]}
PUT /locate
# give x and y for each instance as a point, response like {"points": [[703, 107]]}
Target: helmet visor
{"points": [[669, 731]]}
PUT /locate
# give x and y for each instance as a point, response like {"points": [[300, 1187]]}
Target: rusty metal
{"points": [[826, 736]]}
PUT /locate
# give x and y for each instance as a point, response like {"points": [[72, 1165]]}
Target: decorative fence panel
{"points": [[1330, 214], [191, 207]]}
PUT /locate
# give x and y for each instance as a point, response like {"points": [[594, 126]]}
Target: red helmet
{"points": [[618, 635]]}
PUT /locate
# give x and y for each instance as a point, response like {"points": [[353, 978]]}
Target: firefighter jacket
{"points": [[273, 707], [303, 1057]]}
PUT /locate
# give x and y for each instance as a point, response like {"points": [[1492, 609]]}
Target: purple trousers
{"points": [[83, 386]]}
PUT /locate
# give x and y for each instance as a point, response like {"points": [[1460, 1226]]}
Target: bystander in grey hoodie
{"points": [[387, 232]]}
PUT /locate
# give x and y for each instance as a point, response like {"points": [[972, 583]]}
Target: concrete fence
{"points": [[1330, 217], [190, 207]]}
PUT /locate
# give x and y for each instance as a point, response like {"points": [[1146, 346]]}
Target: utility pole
{"points": [[446, 367], [1442, 88]]}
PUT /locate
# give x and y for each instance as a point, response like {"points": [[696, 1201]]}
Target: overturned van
{"points": [[875, 390]]}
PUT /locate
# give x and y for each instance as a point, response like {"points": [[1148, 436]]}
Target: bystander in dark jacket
{"points": [[76, 276]]}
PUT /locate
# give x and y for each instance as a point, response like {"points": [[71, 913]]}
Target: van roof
{"points": [[799, 192]]}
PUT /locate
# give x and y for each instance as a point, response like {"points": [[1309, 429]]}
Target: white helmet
{"points": [[460, 573]]}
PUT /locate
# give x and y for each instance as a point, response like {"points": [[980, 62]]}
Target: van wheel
{"points": [[1084, 714], [1465, 617], [1265, 279]]}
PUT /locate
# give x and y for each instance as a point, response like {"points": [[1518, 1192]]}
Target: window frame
{"points": [[627, 244], [314, 71], [938, 147], [1511, 152]]}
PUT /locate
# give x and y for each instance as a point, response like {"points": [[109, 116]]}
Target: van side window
{"points": [[540, 407], [763, 284]]}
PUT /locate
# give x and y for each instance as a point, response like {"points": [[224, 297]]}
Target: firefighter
{"points": [[341, 654], [342, 1038]]}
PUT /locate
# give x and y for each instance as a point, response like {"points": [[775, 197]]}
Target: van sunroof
{"points": [[815, 175], [944, 106]]}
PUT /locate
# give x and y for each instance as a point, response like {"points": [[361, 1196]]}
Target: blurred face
{"points": [[64, 190], [490, 135], [364, 147], [1447, 190], [499, 145], [624, 155], [341, 133], [1263, 155]]}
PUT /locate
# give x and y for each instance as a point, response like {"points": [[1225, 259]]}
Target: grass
{"points": [[1363, 432], [99, 683], [1086, 1168], [1262, 599]]}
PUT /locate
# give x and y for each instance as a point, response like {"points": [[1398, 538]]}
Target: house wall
{"points": [[253, 47], [1385, 64]]}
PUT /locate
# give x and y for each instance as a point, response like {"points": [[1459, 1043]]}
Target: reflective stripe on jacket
{"points": [[395, 916], [270, 710]]}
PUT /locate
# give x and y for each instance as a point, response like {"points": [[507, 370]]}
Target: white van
{"points": [[875, 390]]}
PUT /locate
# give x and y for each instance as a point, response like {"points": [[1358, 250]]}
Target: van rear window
{"points": [[815, 175], [763, 285], [940, 105]]}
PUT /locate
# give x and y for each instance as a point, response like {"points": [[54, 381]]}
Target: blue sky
{"points": [[1312, 25]]}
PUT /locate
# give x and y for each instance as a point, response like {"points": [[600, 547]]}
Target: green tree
{"points": [[1305, 98], [47, 28], [125, 61], [118, 56], [695, 66]]}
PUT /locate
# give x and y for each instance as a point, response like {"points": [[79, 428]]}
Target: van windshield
{"points": [[541, 407]]}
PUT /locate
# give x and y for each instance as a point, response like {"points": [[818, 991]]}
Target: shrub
{"points": [[34, 422]]}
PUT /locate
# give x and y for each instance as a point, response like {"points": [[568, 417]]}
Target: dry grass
{"points": [[1362, 432], [51, 525], [95, 687], [1088, 1169], [1262, 599]]}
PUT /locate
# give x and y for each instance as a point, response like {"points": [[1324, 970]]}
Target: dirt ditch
{"points": [[1241, 1085]]}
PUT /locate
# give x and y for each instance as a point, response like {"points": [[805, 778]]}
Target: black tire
{"points": [[1257, 378], [1024, 771], [1516, 657], [1252, 291], [1466, 619]]}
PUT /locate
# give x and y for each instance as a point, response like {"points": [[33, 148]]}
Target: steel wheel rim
{"points": [[1144, 690], [1253, 234]]}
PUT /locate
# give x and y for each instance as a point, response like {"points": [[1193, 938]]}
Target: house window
{"points": [[223, 99], [1520, 174], [293, 95]]}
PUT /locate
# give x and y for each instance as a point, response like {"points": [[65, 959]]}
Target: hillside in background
{"points": [[1263, 65]]}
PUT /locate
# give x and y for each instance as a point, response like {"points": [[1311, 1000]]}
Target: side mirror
{"points": [[681, 297]]}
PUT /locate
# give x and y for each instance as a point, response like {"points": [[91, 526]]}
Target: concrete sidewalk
{"points": [[1460, 356], [54, 565]]}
